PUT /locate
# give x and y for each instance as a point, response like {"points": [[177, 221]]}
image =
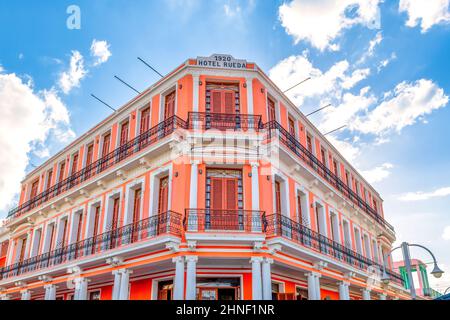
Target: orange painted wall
{"points": [[155, 111], [106, 293], [247, 184], [180, 187], [247, 279], [259, 100], [185, 96], [283, 116], [332, 294], [265, 189]]}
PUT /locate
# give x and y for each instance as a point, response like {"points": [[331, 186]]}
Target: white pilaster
{"points": [[81, 287], [344, 293], [255, 198], [179, 278], [366, 294], [50, 292], [311, 286], [317, 286], [266, 279], [256, 278], [249, 83], [191, 277], [5, 297], [25, 295], [193, 192], [116, 288], [195, 104]]}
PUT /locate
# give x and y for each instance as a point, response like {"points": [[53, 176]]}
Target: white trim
{"points": [[109, 206], [154, 188], [89, 231], [129, 200]]}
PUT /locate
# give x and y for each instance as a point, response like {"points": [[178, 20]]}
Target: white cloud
{"points": [[322, 22], [420, 195], [384, 63], [328, 84], [100, 50], [402, 107], [378, 174], [27, 118], [446, 233], [231, 11], [71, 78], [425, 12], [349, 150]]}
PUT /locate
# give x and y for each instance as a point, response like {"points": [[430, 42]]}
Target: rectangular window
{"points": [[318, 208], [145, 120], [52, 237], [64, 234], [124, 133], [62, 168], [347, 179], [137, 205], [49, 179], [169, 105], [34, 189], [94, 295], [106, 144], [323, 155], [96, 221], [222, 101], [309, 143], [278, 197], [271, 110], [299, 207], [163, 195], [89, 154], [357, 187], [22, 249], [375, 206], [79, 227], [335, 167], [291, 127], [74, 164], [115, 214]]}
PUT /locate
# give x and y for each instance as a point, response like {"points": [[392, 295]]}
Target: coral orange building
{"points": [[209, 185]]}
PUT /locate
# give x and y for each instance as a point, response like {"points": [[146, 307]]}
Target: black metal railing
{"points": [[123, 152], [201, 220], [224, 121], [277, 225], [307, 157], [165, 223]]}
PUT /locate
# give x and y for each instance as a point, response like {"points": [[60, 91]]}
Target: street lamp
{"points": [[445, 292], [437, 272]]}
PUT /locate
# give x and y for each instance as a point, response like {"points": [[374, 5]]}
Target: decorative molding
{"points": [[20, 284], [274, 248], [313, 183], [68, 200], [121, 174], [319, 265], [192, 245], [115, 261], [173, 246], [145, 163], [54, 207], [84, 193], [101, 184], [257, 246], [45, 278]]}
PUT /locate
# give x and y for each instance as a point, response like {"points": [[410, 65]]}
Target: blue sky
{"points": [[383, 65]]}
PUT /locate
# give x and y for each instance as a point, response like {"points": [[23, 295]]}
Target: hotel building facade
{"points": [[209, 185]]}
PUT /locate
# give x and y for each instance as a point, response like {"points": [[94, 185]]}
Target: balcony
{"points": [[125, 151], [274, 129], [278, 225], [168, 223], [223, 220], [224, 121]]}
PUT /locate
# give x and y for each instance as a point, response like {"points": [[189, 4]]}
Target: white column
{"points": [[256, 278], [81, 287], [256, 226], [193, 192], [317, 286], [266, 279], [191, 277], [5, 297], [382, 296], [25, 295], [116, 288], [124, 284], [344, 293], [50, 292], [249, 83], [366, 294], [311, 286], [195, 105], [179, 278]]}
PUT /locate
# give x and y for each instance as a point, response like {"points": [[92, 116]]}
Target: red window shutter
{"points": [[231, 196], [115, 215], [299, 207], [291, 127], [318, 219], [62, 168], [216, 194], [145, 120], [216, 102], [49, 179], [52, 236], [89, 155], [271, 110], [229, 102], [124, 133], [34, 189], [64, 235], [309, 143], [74, 164], [163, 195], [277, 197], [96, 221], [169, 109], [79, 228], [106, 142], [137, 205], [22, 249]]}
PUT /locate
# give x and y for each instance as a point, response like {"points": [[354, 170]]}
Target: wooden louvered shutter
{"points": [[169, 108], [124, 133], [137, 205], [80, 226], [229, 102], [231, 199], [64, 235], [291, 127], [22, 249], [106, 142], [96, 221], [49, 179], [299, 208], [52, 235], [90, 154], [115, 215], [217, 197], [277, 197], [145, 120], [62, 168], [34, 189], [163, 195], [271, 110], [216, 102]]}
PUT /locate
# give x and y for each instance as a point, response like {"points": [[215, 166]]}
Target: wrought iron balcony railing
{"points": [[123, 152], [168, 223], [204, 220], [277, 225], [224, 121], [308, 158]]}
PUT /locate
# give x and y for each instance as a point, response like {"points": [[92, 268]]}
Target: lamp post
{"points": [[437, 273], [445, 292]]}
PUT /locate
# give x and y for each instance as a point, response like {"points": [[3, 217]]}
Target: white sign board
{"points": [[225, 61]]}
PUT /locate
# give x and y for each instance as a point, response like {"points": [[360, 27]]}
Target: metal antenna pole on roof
{"points": [[140, 59], [310, 114], [98, 99], [340, 128], [309, 78], [129, 86]]}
